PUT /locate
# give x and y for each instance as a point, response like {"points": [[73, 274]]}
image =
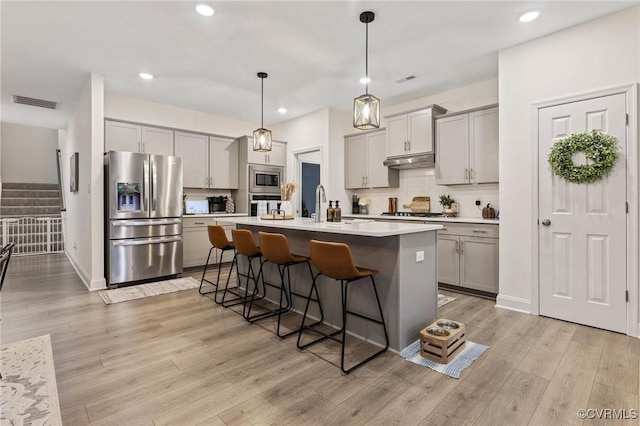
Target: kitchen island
{"points": [[403, 253]]}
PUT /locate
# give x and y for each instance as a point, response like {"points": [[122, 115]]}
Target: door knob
{"points": [[546, 222]]}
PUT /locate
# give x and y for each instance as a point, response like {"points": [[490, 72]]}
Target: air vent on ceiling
{"points": [[34, 102], [405, 79]]}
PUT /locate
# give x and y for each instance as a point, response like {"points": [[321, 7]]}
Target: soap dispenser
{"points": [[337, 212], [330, 212]]}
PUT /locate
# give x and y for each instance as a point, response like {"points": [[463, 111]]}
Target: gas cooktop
{"points": [[411, 214]]}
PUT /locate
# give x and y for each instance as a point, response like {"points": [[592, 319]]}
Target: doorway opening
{"points": [[308, 164]]}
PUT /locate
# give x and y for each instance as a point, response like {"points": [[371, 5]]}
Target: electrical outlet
{"points": [[419, 256], [478, 202]]}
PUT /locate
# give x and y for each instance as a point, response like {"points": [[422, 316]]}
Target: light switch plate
{"points": [[420, 256]]}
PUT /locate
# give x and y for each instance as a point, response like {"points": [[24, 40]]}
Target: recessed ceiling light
{"points": [[529, 16], [204, 10], [282, 110], [365, 80], [146, 76]]}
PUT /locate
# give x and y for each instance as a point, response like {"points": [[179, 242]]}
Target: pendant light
{"points": [[366, 108], [262, 136]]}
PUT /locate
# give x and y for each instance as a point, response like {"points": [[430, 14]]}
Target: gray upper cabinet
{"points": [[156, 140], [364, 155], [122, 136], [467, 147], [194, 150], [119, 136], [208, 161], [223, 163], [411, 133], [276, 157]]}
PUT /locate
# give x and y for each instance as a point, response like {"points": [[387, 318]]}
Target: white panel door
{"points": [[452, 149], [483, 146], [377, 174], [583, 246], [157, 141], [223, 162], [194, 150], [122, 137], [355, 162]]}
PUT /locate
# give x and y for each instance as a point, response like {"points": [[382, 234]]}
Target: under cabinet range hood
{"points": [[410, 138], [418, 161]]}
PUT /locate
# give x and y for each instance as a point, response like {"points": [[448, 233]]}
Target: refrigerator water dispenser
{"points": [[128, 197]]}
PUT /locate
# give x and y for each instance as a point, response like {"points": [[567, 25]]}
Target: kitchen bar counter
{"points": [[478, 220], [220, 215], [403, 253], [365, 228]]}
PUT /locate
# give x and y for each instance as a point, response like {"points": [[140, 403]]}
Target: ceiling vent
{"points": [[405, 79], [34, 102]]}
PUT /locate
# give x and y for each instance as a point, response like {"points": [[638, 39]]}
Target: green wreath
{"points": [[601, 149]]}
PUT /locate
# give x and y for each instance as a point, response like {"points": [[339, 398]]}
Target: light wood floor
{"points": [[179, 359]]}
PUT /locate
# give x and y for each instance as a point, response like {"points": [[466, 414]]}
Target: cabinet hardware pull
{"points": [[466, 174], [198, 223], [143, 147], [409, 146], [479, 232], [457, 247], [461, 247], [470, 175]]}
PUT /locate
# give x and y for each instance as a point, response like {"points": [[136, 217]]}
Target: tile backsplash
{"points": [[422, 182]]}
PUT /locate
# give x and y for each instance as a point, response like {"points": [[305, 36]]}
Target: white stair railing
{"points": [[33, 235]]}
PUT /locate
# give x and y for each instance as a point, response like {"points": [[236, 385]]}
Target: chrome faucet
{"points": [[319, 190]]}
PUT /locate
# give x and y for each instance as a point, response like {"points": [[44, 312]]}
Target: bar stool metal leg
{"points": [[344, 288]]}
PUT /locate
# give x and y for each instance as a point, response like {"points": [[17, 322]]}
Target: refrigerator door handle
{"points": [[154, 180], [147, 222], [145, 184], [146, 241]]}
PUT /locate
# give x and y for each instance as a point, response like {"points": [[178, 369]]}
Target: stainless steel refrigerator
{"points": [[143, 216]]}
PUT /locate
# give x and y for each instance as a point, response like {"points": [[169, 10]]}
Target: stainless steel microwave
{"points": [[265, 179]]}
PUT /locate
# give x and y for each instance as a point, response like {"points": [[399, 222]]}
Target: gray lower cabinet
{"points": [[196, 242], [468, 256]]}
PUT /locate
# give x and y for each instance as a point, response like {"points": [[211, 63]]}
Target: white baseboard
{"points": [[514, 304], [99, 284]]}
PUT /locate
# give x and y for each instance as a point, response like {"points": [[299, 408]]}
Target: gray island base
{"points": [[403, 253]]}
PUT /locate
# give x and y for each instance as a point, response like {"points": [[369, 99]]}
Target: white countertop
{"points": [[425, 219], [365, 228], [215, 215]]}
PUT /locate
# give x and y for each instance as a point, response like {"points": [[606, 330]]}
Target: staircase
{"points": [[30, 217], [30, 199]]}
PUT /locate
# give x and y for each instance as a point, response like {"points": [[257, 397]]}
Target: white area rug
{"points": [[470, 353], [443, 300], [28, 391], [133, 292]]}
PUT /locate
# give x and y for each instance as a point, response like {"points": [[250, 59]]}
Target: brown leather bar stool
{"points": [[218, 239], [334, 260], [246, 246], [275, 249]]}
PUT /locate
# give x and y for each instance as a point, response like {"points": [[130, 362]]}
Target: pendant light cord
{"points": [[262, 102], [366, 58]]}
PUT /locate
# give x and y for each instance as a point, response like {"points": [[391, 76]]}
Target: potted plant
{"points": [[445, 202]]}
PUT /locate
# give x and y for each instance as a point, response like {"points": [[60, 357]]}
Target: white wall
{"points": [[84, 217], [122, 107], [28, 154], [421, 182], [600, 54], [323, 128]]}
